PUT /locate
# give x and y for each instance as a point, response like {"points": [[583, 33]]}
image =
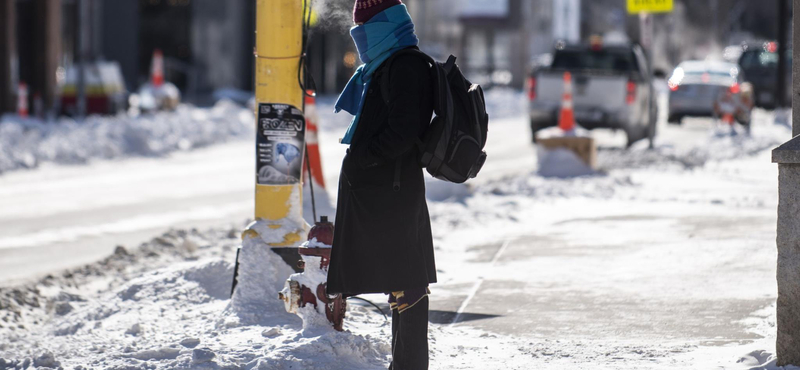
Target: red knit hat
{"points": [[364, 10]]}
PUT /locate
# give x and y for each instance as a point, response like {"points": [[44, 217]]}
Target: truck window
{"points": [[600, 60]]}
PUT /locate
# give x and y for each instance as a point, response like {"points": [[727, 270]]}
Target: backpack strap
{"points": [[387, 67], [385, 76]]}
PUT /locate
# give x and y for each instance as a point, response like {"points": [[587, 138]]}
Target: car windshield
{"points": [[717, 73], [608, 60], [704, 72]]}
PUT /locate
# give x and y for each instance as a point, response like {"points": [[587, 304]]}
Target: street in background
{"points": [[612, 88], [698, 87]]}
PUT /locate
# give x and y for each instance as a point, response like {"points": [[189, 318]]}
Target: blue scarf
{"points": [[383, 35]]}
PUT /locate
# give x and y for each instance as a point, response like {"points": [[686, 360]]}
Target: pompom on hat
{"points": [[364, 10]]}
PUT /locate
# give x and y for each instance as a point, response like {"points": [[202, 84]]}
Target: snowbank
{"points": [[719, 143], [261, 274], [26, 143], [165, 305]]}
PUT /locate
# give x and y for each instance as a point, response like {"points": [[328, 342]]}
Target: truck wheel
{"points": [[675, 119], [632, 136], [651, 129]]}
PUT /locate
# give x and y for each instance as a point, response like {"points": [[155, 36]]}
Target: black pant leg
{"points": [[395, 325], [410, 350]]}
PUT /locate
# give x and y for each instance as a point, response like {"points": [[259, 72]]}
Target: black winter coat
{"points": [[382, 241]]}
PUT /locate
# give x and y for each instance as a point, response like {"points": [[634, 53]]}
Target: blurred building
{"points": [[495, 38], [30, 49], [207, 44], [496, 41]]}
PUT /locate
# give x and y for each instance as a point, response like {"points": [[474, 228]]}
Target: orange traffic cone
{"points": [[22, 100], [157, 69], [566, 121], [312, 141]]}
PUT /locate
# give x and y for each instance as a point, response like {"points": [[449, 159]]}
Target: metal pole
{"points": [[647, 30], [280, 127]]}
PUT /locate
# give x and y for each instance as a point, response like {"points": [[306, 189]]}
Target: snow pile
{"points": [[166, 306], [261, 274], [30, 305], [721, 143], [174, 313], [28, 142]]}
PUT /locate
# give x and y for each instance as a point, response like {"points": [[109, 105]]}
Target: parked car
{"points": [[696, 86], [104, 86], [612, 88], [760, 67]]}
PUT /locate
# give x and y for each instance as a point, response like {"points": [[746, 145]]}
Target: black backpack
{"points": [[452, 147]]}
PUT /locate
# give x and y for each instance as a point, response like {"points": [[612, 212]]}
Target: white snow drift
{"points": [[27, 142]]}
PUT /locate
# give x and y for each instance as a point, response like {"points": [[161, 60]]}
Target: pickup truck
{"points": [[760, 68], [612, 88]]}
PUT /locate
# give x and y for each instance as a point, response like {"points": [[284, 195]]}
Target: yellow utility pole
{"points": [[280, 139]]}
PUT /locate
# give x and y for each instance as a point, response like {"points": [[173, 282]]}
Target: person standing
{"points": [[382, 241]]}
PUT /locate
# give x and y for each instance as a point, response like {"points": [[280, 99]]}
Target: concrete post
{"points": [[788, 344], [795, 72], [787, 156]]}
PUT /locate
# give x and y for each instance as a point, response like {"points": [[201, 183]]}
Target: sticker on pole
{"points": [[649, 6], [279, 144]]}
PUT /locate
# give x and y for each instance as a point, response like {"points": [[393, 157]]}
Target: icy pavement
{"points": [[663, 260]]}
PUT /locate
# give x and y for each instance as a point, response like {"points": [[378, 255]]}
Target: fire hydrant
{"points": [[308, 288]]}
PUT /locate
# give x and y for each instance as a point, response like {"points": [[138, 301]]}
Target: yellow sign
{"points": [[649, 6]]}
